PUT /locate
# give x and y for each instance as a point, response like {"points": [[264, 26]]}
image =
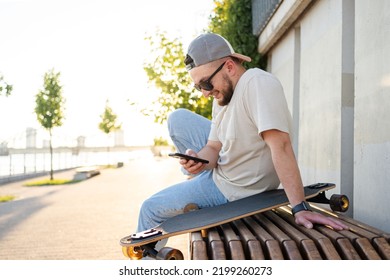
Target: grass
{"points": [[48, 182], [6, 198]]}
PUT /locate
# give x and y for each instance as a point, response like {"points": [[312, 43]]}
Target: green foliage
{"points": [[109, 120], [232, 19], [51, 182], [159, 141], [166, 71], [5, 88], [49, 107], [49, 102]]}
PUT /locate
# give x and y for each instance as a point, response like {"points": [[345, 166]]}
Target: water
{"points": [[19, 164]]}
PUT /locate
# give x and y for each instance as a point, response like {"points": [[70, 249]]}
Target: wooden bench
{"points": [[273, 235]]}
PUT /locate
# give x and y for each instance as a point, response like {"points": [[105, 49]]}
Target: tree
{"points": [[167, 72], [232, 19], [50, 107], [5, 88], [109, 122]]}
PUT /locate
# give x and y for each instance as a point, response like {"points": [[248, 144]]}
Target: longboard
{"points": [[134, 244]]}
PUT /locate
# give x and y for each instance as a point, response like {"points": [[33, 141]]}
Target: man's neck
{"points": [[240, 71]]}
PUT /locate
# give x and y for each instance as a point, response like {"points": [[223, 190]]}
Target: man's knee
{"points": [[177, 120], [178, 115]]}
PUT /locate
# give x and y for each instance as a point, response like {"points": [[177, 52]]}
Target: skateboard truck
{"points": [[337, 202], [145, 234], [149, 250]]}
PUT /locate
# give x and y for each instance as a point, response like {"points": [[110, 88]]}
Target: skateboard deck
{"points": [[218, 215]]}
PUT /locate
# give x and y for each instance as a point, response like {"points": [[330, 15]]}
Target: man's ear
{"points": [[231, 67]]}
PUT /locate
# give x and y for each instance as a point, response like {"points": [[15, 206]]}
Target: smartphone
{"points": [[187, 157]]}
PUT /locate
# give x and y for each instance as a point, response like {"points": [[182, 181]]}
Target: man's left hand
{"points": [[308, 218]]}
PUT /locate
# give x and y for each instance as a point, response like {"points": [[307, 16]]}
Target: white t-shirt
{"points": [[245, 165]]}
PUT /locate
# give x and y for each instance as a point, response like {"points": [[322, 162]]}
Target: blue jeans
{"points": [[188, 131]]}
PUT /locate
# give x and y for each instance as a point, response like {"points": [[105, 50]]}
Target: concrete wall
{"points": [[320, 79], [334, 64], [372, 112]]}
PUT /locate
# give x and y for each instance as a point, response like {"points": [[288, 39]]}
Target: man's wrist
{"points": [[303, 206]]}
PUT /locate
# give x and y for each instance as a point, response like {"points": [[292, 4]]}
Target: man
{"points": [[247, 143]]}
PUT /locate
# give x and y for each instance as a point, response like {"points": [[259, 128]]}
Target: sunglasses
{"points": [[207, 85]]}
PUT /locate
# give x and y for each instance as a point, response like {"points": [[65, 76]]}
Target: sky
{"points": [[98, 47]]}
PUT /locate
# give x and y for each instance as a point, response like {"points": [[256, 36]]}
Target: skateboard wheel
{"points": [[190, 207], [339, 202], [133, 253], [168, 253]]}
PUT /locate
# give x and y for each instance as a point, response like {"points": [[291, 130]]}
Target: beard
{"points": [[227, 93]]}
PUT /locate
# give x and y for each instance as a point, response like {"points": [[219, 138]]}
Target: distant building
{"points": [[119, 138], [31, 138], [45, 143], [81, 141], [4, 149]]}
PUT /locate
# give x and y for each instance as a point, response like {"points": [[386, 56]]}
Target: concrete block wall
{"points": [[372, 112], [334, 65]]}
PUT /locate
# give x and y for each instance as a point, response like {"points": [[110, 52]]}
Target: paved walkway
{"points": [[82, 221]]}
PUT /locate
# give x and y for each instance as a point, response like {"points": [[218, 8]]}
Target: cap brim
{"points": [[242, 57]]}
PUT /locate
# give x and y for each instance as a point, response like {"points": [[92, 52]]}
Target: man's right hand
{"points": [[192, 166]]}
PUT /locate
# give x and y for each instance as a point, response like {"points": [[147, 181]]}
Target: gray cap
{"points": [[209, 47]]}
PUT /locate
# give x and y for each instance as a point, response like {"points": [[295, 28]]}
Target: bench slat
{"points": [[216, 245], [274, 235], [271, 247], [366, 250], [252, 247], [198, 247], [232, 243], [307, 246], [383, 247]]}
